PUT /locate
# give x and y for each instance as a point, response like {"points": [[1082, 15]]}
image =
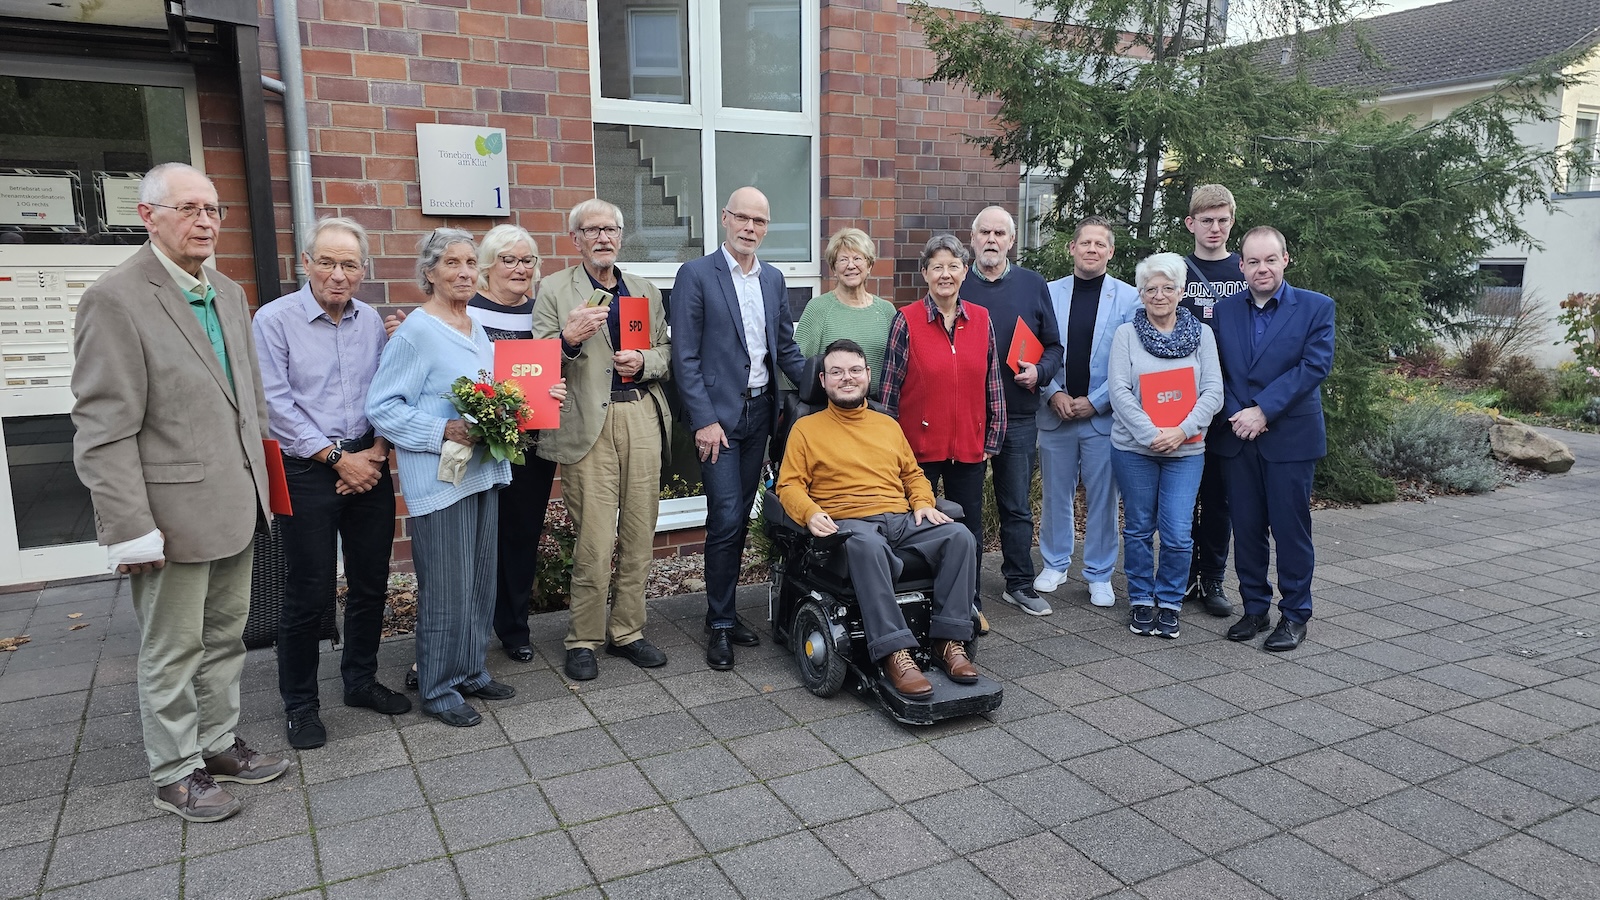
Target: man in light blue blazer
{"points": [[731, 335], [1075, 419]]}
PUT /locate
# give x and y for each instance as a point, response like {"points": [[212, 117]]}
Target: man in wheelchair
{"points": [[849, 469]]}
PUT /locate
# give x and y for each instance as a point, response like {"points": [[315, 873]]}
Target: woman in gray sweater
{"points": [[1165, 386]]}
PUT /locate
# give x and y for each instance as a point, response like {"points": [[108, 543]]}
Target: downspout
{"points": [[286, 25]]}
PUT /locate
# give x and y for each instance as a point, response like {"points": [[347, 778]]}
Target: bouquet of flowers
{"points": [[494, 412]]}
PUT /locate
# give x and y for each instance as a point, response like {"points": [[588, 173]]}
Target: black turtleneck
{"points": [[1080, 333]]}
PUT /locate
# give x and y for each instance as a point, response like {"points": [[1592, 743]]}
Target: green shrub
{"points": [[1427, 442], [1572, 383], [1478, 359], [1526, 388], [552, 581]]}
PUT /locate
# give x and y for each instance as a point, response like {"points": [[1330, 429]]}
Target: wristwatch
{"points": [[334, 455]]}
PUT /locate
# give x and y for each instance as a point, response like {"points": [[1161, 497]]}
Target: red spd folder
{"points": [[1168, 397], [1025, 347], [633, 320], [534, 365], [277, 481]]}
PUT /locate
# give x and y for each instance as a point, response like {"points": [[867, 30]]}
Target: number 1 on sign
{"points": [[497, 203]]}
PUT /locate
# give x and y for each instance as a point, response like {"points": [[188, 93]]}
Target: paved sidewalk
{"points": [[1437, 739]]}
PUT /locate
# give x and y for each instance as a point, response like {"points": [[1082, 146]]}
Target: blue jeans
{"points": [[1013, 477], [1157, 495], [730, 485], [1075, 453]]}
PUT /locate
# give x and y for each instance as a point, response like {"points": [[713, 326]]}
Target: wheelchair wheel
{"points": [[822, 666]]}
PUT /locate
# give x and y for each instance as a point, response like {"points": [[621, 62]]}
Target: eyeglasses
{"points": [[1161, 290], [855, 373], [190, 210], [349, 266], [1212, 222], [741, 220], [945, 269], [593, 231], [511, 262]]}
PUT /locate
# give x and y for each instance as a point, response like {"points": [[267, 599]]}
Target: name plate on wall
{"points": [[463, 170]]}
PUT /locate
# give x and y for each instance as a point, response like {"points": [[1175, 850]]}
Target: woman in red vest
{"points": [[941, 380]]}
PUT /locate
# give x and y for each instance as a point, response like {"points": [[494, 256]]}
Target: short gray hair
{"points": [[591, 206], [1011, 223], [495, 243], [432, 249], [946, 242], [153, 189], [1170, 265], [338, 223]]}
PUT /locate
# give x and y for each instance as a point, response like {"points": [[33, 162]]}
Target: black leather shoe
{"points": [[641, 653], [411, 679], [378, 698], [459, 716], [581, 665], [520, 654], [1213, 599], [719, 650], [743, 635], [1248, 627], [1286, 636], [494, 690]]}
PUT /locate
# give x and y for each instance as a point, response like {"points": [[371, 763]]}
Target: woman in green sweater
{"points": [[848, 311]]}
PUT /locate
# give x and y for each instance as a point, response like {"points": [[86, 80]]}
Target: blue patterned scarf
{"points": [[1184, 339]]}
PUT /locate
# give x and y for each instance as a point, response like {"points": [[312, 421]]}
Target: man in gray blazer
{"points": [[169, 416], [731, 335], [613, 425]]}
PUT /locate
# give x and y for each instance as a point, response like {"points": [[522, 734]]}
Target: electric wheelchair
{"points": [[814, 613]]}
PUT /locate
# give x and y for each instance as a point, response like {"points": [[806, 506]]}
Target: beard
{"points": [[856, 403]]}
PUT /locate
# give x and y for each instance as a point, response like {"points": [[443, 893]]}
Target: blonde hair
{"points": [[1211, 196], [850, 239]]}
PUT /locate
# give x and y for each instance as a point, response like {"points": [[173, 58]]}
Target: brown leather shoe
{"points": [[951, 656], [904, 676], [197, 798], [241, 764]]}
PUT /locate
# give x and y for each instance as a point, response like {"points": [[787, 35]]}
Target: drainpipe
{"points": [[286, 24]]}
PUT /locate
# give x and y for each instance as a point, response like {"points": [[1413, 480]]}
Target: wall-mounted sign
{"points": [[119, 199], [463, 170], [29, 198]]}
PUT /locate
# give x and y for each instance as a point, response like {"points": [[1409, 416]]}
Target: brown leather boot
{"points": [[904, 676], [952, 658]]}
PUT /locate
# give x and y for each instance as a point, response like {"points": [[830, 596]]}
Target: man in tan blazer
{"points": [[169, 416], [610, 439]]}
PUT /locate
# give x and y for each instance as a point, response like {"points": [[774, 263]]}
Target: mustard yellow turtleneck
{"points": [[850, 463]]}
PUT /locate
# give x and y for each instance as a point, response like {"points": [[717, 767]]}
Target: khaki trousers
{"points": [[191, 653], [612, 495]]}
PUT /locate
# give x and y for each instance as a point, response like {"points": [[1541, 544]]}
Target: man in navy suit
{"points": [[1275, 342], [731, 334]]}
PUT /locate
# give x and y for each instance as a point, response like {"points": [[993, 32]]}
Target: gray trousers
{"points": [[455, 552], [873, 566]]}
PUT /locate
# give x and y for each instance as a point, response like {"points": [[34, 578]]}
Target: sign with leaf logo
{"points": [[463, 170]]}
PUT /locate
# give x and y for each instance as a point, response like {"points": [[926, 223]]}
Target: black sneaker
{"points": [[1214, 600], [1166, 624], [306, 731], [1142, 619], [378, 698]]}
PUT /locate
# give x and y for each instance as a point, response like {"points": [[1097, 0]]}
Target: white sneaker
{"points": [[1100, 594], [1048, 581]]}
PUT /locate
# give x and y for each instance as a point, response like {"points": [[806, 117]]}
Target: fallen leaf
{"points": [[79, 625], [12, 643], [74, 615]]}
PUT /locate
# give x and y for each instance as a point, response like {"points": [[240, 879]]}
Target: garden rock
{"points": [[1515, 442]]}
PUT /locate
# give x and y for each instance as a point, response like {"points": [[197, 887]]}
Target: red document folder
{"points": [[633, 319], [534, 365], [1025, 347], [277, 481], [1168, 397]]}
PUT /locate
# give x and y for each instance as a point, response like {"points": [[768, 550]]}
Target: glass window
{"points": [[761, 54], [51, 505], [644, 50], [780, 165], [1583, 137], [653, 174]]}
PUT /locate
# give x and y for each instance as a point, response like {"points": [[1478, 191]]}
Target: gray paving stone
{"points": [[568, 752], [698, 878], [343, 757], [1066, 688], [363, 796], [22, 869], [423, 881], [1060, 735], [1126, 719], [1542, 771], [1453, 736], [909, 773], [430, 738], [956, 878], [1186, 704], [1052, 796], [1541, 703], [159, 883], [1400, 756], [793, 867], [883, 844], [1243, 690], [493, 817], [1340, 776], [1257, 738], [559, 868], [635, 842], [1429, 817], [597, 793], [260, 870], [703, 686], [371, 845], [1538, 868], [1392, 656], [1205, 819], [472, 773], [829, 794], [1276, 797], [1374, 709], [111, 851], [51, 709], [1371, 847], [1577, 832], [271, 811], [1458, 881], [777, 753], [735, 817], [989, 753], [1202, 879], [737, 718], [868, 731], [529, 721], [629, 701], [1499, 798], [1125, 774], [29, 822], [1127, 844], [1316, 721], [1286, 866], [108, 765], [696, 771], [1506, 722], [1466, 681], [1194, 756], [1043, 867], [972, 818], [1125, 674]]}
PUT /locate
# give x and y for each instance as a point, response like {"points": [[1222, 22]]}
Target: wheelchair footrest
{"points": [[949, 699]]}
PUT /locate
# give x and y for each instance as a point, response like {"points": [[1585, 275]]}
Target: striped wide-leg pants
{"points": [[454, 551]]}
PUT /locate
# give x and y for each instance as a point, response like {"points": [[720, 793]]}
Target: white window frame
{"points": [[1591, 184]]}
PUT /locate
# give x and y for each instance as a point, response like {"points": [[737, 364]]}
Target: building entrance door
{"points": [[74, 141]]}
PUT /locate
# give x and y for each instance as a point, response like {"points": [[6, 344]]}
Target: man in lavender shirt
{"points": [[319, 349]]}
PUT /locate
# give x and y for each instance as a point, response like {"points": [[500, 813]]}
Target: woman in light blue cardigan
{"points": [[1165, 384], [453, 525]]}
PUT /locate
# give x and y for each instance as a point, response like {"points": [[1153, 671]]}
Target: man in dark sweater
{"points": [[1213, 274], [1009, 292]]}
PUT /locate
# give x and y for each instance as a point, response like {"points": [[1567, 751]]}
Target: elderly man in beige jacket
{"points": [[169, 416], [610, 439]]}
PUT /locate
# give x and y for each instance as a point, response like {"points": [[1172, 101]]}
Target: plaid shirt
{"points": [[896, 361]]}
